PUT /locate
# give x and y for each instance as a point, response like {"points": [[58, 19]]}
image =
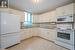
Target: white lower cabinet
{"points": [[26, 33], [49, 34], [52, 34], [43, 33], [9, 40], [35, 31]]}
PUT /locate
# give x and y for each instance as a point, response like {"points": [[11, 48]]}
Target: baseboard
{"points": [[38, 37], [26, 38], [12, 45], [2, 49], [45, 39]]}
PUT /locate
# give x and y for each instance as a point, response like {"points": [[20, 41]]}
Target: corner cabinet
{"points": [[29, 32], [25, 33]]}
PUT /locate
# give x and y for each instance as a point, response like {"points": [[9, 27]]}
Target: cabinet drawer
{"points": [[9, 40]]}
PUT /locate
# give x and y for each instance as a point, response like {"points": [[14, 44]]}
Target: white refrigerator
{"points": [[9, 29]]}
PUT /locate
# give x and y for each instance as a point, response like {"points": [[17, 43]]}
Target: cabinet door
{"points": [[19, 14], [68, 9], [25, 33], [74, 8], [65, 10], [42, 33], [60, 11], [52, 17], [44, 17], [9, 23], [35, 31], [48, 34], [10, 39], [51, 34], [35, 18]]}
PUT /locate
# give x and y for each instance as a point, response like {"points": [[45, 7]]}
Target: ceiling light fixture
{"points": [[36, 1]]}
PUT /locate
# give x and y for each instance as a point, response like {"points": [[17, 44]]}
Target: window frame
{"points": [[28, 22]]}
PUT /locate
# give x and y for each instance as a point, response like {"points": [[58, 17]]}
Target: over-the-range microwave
{"points": [[66, 18]]}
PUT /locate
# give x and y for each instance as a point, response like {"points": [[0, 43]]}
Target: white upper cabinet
{"points": [[20, 14], [9, 23], [48, 17], [65, 10], [35, 18], [68, 9], [60, 11], [43, 18], [52, 17], [74, 8]]}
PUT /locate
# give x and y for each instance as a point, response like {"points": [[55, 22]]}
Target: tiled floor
{"points": [[36, 43]]}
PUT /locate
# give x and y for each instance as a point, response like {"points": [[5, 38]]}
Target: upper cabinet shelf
{"points": [[4, 4]]}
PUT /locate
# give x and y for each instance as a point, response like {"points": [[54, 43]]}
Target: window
{"points": [[28, 19]]}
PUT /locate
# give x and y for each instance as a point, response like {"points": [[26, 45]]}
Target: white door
{"points": [[9, 23]]}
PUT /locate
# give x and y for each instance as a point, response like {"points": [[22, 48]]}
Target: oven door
{"points": [[65, 36], [62, 35]]}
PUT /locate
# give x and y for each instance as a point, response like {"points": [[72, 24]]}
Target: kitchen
{"points": [[50, 21]]}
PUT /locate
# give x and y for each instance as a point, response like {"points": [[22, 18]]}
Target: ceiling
{"points": [[39, 7]]}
